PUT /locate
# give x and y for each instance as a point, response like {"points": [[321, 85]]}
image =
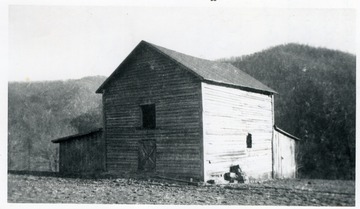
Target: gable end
{"points": [[141, 45]]}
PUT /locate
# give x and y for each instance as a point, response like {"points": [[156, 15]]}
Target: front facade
{"points": [[171, 114], [173, 97]]}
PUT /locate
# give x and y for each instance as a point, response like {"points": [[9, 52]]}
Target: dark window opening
{"points": [[249, 141], [148, 116]]}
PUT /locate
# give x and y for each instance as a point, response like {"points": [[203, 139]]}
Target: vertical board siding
{"points": [[228, 116], [82, 155], [150, 78], [284, 156]]}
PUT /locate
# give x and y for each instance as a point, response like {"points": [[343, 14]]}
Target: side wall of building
{"points": [[284, 156], [148, 77], [229, 115], [83, 154]]}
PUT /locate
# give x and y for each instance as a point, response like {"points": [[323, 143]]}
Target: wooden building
{"points": [[81, 153], [172, 114], [284, 164]]}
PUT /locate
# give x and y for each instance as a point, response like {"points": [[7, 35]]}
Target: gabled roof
{"points": [[206, 70]]}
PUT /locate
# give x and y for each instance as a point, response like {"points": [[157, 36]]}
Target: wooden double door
{"points": [[147, 155]]}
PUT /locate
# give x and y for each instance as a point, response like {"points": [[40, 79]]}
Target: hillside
{"points": [[41, 111], [316, 102]]}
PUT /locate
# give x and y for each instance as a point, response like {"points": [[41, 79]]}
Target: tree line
{"points": [[315, 102], [41, 111]]}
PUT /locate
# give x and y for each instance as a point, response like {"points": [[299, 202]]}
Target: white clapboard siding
{"points": [[229, 114], [284, 156]]}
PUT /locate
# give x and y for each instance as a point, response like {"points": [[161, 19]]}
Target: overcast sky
{"points": [[62, 42]]}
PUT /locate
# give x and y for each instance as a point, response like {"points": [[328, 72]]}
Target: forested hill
{"points": [[41, 111], [316, 102]]}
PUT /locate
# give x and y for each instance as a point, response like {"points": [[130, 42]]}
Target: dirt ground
{"points": [[297, 192]]}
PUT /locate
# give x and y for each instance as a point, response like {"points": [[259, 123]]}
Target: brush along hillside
{"points": [[316, 102], [41, 111]]}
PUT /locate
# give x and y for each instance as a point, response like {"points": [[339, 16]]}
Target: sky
{"points": [[71, 42]]}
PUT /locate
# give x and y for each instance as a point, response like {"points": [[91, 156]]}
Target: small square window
{"points": [[148, 116]]}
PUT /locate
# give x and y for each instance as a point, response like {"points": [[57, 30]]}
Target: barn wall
{"points": [[228, 116], [82, 154], [149, 77], [284, 156]]}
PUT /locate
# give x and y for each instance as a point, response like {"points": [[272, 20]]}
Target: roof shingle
{"points": [[214, 71]]}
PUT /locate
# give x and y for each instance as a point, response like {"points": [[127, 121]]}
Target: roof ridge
{"points": [[218, 72], [172, 58], [161, 47], [217, 67]]}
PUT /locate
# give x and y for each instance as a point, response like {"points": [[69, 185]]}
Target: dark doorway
{"points": [[147, 155]]}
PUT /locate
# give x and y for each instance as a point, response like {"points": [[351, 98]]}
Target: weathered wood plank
{"points": [[228, 116], [284, 156], [175, 93], [83, 154]]}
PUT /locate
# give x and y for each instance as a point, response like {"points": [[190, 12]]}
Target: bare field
{"points": [[300, 192]]}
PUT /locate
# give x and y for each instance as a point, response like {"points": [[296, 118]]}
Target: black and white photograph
{"points": [[226, 103]]}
